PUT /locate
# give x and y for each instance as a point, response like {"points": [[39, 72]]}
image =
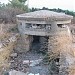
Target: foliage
{"points": [[8, 15], [18, 4], [9, 11], [14, 29], [2, 6], [22, 1], [34, 9], [50, 57]]}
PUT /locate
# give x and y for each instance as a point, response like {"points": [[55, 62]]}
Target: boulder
{"points": [[33, 74], [12, 61], [14, 72], [1, 45], [35, 62], [26, 62], [13, 55], [12, 39]]}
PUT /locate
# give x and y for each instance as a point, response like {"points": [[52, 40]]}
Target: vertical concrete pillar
{"points": [[54, 27], [26, 41]]}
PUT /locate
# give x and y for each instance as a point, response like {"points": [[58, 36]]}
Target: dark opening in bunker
{"points": [[39, 44], [36, 39], [35, 45]]}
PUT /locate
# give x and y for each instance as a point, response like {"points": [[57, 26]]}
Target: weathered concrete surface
{"points": [[24, 43]]}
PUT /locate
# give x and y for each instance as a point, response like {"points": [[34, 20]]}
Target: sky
{"points": [[63, 4]]}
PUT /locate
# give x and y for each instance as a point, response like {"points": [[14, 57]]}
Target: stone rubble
{"points": [[13, 55], [35, 62], [14, 72], [25, 64], [33, 74], [12, 39], [1, 45]]}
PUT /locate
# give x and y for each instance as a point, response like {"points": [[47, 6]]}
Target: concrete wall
{"points": [[43, 32], [24, 43]]}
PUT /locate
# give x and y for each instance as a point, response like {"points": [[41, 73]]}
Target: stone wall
{"points": [[44, 44], [24, 43]]}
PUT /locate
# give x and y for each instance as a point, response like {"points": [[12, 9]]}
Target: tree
{"points": [[2, 5], [18, 4], [22, 1]]}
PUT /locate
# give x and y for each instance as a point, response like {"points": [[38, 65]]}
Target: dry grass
{"points": [[5, 51]]}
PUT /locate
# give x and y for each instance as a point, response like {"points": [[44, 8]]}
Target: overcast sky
{"points": [[63, 4]]}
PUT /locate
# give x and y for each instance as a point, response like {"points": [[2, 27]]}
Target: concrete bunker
{"points": [[48, 31]]}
